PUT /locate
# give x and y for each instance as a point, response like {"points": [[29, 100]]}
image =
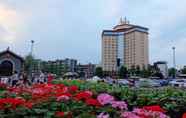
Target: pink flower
{"points": [[162, 115], [105, 98], [149, 114], [103, 115], [139, 111], [63, 98], [119, 104], [129, 115], [156, 114], [89, 92]]}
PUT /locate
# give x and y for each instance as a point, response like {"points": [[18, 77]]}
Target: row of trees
{"points": [[150, 71], [124, 72]]}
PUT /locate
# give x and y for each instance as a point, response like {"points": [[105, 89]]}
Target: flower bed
{"points": [[75, 99]]}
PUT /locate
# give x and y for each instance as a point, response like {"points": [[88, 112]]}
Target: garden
{"points": [[81, 99]]}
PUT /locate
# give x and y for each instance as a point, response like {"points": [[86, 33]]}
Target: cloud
{"points": [[112, 8], [9, 24], [12, 22], [73, 27]]}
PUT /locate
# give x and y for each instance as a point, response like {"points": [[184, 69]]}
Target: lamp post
{"points": [[31, 54], [32, 47], [174, 60]]}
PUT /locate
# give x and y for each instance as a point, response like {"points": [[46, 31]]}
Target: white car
{"points": [[123, 82], [178, 83], [147, 83]]}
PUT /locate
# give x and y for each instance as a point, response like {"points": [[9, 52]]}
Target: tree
{"points": [[137, 71], [172, 72], [183, 71], [132, 70], [28, 63], [99, 72], [123, 72], [147, 71]]}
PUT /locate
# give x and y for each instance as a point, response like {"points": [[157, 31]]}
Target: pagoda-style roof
{"points": [[125, 26], [11, 53]]}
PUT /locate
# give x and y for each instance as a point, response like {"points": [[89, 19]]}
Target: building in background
{"points": [[86, 70], [58, 67], [71, 64], [162, 67], [125, 44]]}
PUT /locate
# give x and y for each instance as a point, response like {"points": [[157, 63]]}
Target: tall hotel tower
{"points": [[125, 44]]}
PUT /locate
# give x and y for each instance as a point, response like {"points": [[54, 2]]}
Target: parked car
{"points": [[123, 82], [178, 83], [147, 83], [164, 82]]}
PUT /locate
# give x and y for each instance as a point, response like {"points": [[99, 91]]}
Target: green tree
{"points": [[99, 72], [137, 70], [172, 72], [144, 72], [183, 71], [147, 71], [29, 59], [132, 70], [123, 72]]}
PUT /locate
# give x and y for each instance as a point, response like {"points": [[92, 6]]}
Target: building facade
{"points": [[125, 44], [58, 67], [10, 62], [86, 70]]}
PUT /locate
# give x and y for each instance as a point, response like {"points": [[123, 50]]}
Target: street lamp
{"points": [[174, 60], [31, 54], [32, 47]]}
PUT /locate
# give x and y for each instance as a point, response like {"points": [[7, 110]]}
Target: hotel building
{"points": [[125, 44]]}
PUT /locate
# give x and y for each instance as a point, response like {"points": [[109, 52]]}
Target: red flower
{"points": [[11, 103], [69, 115], [3, 86], [93, 102], [82, 96], [184, 115], [73, 88], [59, 114], [154, 108], [65, 94], [29, 105]]}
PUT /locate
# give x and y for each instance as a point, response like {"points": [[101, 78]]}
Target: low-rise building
{"points": [[10, 62], [86, 70], [58, 67]]}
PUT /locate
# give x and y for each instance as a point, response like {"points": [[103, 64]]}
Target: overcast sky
{"points": [[72, 28]]}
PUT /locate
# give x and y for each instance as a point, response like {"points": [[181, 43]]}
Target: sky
{"points": [[72, 28]]}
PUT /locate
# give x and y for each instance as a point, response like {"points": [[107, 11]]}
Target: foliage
{"points": [[172, 72], [172, 99], [132, 70], [81, 99], [28, 62], [123, 72], [183, 71], [99, 72]]}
